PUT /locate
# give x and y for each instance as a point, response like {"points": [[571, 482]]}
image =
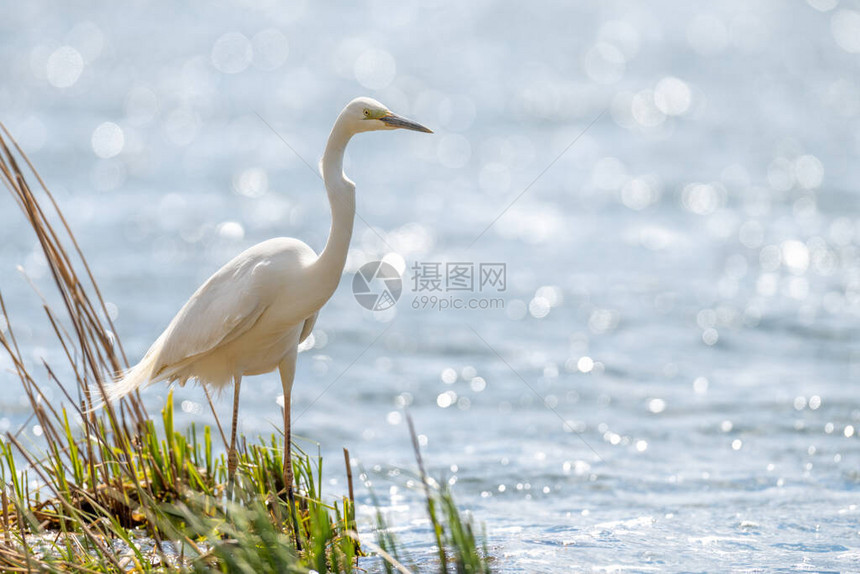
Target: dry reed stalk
{"points": [[92, 351], [95, 339]]}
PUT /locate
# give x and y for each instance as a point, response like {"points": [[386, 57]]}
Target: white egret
{"points": [[251, 315]]}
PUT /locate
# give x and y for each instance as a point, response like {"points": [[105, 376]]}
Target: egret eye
{"points": [[366, 113]]}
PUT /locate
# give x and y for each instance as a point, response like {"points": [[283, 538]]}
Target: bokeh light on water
{"points": [[671, 384]]}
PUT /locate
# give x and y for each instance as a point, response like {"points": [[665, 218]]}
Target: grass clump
{"points": [[115, 490]]}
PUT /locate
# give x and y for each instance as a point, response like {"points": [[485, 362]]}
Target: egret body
{"points": [[251, 315]]}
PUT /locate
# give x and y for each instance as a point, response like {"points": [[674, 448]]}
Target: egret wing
{"points": [[222, 309]]}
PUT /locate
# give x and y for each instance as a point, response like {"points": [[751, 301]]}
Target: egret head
{"points": [[367, 115]]}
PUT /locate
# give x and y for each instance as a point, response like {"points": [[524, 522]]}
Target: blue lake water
{"points": [[672, 382]]}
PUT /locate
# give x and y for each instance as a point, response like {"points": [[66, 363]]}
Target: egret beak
{"points": [[396, 121]]}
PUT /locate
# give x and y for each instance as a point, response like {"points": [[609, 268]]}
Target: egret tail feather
{"points": [[136, 377]]}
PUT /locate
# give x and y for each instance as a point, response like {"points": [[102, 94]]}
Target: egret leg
{"points": [[287, 369], [232, 455], [288, 441]]}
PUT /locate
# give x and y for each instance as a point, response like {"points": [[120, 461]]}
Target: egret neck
{"points": [[341, 195]]}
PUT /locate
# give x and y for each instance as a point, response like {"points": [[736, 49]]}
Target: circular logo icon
{"points": [[377, 286]]}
